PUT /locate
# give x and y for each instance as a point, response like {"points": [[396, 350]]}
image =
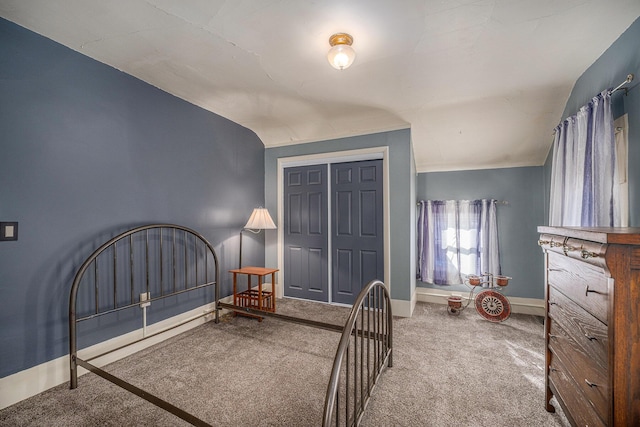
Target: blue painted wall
{"points": [[620, 59], [401, 197], [87, 151], [522, 188]]}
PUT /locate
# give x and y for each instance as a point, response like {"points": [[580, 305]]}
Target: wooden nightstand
{"points": [[255, 298]]}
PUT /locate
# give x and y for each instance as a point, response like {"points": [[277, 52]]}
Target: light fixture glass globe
{"points": [[341, 56]]}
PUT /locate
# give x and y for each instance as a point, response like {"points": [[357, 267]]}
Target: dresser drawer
{"points": [[590, 334], [588, 377], [583, 283], [577, 406], [583, 250]]}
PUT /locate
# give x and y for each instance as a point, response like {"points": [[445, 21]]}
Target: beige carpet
{"points": [[448, 371]]}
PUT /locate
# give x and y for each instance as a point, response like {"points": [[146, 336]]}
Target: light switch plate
{"points": [[8, 231]]}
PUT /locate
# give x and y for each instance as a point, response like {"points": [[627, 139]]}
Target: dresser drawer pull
{"points": [[590, 384], [550, 243], [553, 303], [553, 336], [586, 254], [587, 291], [590, 338], [553, 370]]}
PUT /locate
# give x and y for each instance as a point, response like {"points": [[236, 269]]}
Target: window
{"points": [[457, 238], [588, 176], [621, 132]]}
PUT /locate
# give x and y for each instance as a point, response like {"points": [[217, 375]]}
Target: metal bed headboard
{"points": [[157, 270]]}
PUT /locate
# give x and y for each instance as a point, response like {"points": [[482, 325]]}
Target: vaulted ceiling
{"points": [[481, 83]]}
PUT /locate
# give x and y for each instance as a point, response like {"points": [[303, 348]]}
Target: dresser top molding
{"points": [[612, 235]]}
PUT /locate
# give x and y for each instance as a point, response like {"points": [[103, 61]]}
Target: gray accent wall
{"points": [[608, 71], [522, 188], [86, 152], [400, 193]]}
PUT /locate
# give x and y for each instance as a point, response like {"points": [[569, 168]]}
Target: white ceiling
{"points": [[480, 83]]}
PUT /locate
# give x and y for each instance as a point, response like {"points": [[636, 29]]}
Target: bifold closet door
{"points": [[306, 233], [357, 243]]}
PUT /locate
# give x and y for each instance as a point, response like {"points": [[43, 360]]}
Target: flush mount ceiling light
{"points": [[341, 54]]}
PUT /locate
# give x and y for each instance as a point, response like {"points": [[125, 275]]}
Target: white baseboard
{"points": [[403, 308], [279, 290], [27, 383], [520, 305]]}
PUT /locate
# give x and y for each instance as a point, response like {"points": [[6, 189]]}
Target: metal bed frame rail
{"points": [[364, 349], [141, 259]]}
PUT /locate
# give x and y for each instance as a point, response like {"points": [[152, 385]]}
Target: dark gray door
{"points": [[306, 233], [357, 243]]}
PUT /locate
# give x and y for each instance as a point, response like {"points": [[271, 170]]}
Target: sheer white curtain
{"points": [[457, 238], [584, 174]]}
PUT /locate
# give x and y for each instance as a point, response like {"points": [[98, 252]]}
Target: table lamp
{"points": [[259, 220]]}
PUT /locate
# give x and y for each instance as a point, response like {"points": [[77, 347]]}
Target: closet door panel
{"points": [[306, 233], [356, 189]]}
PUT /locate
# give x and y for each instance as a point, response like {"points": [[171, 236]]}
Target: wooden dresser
{"points": [[592, 326]]}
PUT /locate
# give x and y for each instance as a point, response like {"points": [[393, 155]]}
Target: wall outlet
{"points": [[8, 231], [144, 299]]}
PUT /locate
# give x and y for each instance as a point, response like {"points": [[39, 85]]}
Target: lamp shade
{"points": [[260, 220]]}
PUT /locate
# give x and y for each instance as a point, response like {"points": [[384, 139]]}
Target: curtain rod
{"points": [[628, 80], [499, 202]]}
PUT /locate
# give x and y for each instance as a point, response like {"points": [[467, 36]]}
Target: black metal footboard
{"points": [[364, 349]]}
